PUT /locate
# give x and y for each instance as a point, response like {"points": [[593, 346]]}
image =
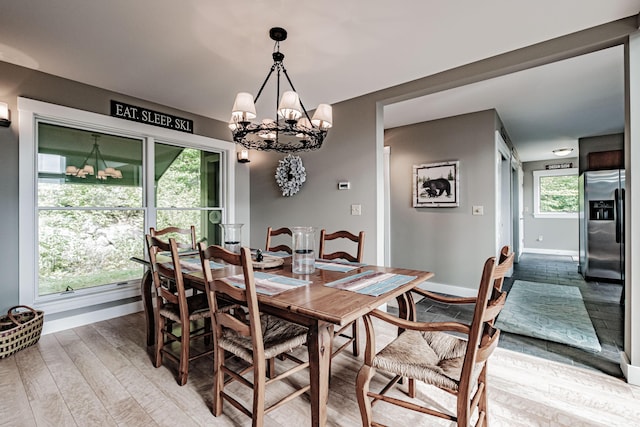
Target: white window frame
{"points": [[536, 193], [30, 112]]}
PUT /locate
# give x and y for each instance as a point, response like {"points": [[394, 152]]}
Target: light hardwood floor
{"points": [[101, 374]]}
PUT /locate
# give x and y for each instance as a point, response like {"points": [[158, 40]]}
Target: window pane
{"points": [[79, 168], [85, 248], [559, 193], [186, 177]]}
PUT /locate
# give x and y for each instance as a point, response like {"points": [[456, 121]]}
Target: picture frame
{"points": [[436, 185]]}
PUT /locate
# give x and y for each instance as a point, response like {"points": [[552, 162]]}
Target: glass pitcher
{"points": [[232, 237], [304, 255]]}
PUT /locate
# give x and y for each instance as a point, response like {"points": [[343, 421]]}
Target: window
{"points": [[88, 227], [555, 193], [77, 231]]}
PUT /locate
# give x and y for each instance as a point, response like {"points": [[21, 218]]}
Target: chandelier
{"points": [[95, 156], [292, 129]]}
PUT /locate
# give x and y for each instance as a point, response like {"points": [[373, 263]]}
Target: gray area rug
{"points": [[549, 312]]}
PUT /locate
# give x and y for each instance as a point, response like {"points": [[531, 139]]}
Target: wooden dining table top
{"points": [[316, 300]]}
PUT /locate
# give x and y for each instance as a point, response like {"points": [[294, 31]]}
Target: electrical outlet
{"points": [[356, 209]]}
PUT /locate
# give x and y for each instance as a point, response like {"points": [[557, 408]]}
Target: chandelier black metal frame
{"points": [[292, 130]]}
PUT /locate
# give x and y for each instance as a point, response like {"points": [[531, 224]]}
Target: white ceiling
{"points": [[195, 55]]}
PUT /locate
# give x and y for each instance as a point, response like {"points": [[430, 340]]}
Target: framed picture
{"points": [[436, 185]]}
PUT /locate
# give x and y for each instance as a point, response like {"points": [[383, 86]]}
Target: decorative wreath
{"points": [[290, 175]]}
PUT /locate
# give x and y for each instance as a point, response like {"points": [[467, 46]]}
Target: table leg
{"points": [[145, 290], [319, 346], [406, 307]]}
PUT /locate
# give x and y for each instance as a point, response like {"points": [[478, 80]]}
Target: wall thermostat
{"points": [[344, 185]]}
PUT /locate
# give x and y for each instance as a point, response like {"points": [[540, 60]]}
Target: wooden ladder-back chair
{"points": [[354, 338], [423, 351], [278, 248], [252, 337], [185, 237], [173, 306]]}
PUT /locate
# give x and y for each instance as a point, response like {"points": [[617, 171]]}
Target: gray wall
{"points": [[17, 81], [558, 234], [348, 154], [448, 241]]}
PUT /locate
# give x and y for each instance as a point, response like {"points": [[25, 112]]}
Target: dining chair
{"points": [[425, 351], [252, 337], [342, 235], [174, 307], [185, 237], [277, 248]]}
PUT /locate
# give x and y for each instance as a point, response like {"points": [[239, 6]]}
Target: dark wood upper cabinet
{"points": [[598, 160]]}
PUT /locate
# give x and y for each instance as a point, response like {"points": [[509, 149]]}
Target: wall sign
{"points": [[150, 117], [559, 166]]}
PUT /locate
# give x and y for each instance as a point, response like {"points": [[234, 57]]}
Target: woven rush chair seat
{"points": [[279, 336], [197, 305], [432, 357]]}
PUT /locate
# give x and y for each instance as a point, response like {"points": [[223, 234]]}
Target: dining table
{"points": [[334, 295]]}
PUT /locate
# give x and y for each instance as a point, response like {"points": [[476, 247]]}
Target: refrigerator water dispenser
{"points": [[601, 210]]}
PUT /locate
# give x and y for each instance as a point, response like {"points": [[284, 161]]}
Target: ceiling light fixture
{"points": [[88, 169], [292, 130], [563, 151], [5, 115]]}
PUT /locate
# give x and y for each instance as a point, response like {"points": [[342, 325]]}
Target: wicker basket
{"points": [[19, 329]]}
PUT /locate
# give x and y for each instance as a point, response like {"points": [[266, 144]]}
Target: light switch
{"points": [[356, 209], [478, 210]]}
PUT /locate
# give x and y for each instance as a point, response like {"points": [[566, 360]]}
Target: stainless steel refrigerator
{"points": [[601, 225]]}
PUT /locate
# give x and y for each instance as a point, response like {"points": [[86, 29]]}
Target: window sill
{"points": [[57, 303], [555, 216]]}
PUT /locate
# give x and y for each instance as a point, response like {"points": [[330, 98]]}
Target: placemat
{"points": [[192, 264], [268, 284], [343, 267], [372, 283]]}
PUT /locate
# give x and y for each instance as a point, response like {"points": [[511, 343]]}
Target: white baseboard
{"points": [[456, 291], [550, 251], [631, 372], [441, 288], [73, 321]]}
